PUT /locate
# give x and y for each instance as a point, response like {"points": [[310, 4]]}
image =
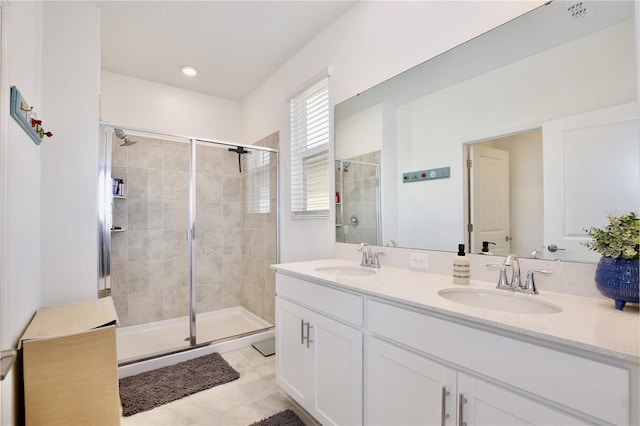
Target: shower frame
{"points": [[105, 208]]}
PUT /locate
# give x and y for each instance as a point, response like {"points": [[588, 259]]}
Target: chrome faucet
{"points": [[516, 281], [369, 259], [503, 282]]}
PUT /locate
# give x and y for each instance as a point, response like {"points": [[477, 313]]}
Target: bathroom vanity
{"points": [[385, 346]]}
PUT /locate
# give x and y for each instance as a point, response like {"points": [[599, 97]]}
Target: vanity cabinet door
{"points": [[293, 364], [404, 388], [319, 363], [338, 374], [487, 404]]}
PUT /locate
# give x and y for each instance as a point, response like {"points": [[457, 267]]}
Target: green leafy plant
{"points": [[620, 238]]}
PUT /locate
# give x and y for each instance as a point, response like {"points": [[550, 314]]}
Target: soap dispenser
{"points": [[461, 267], [485, 248]]}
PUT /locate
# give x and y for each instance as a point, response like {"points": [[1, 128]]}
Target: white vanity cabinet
{"points": [[351, 354], [319, 349], [412, 356], [403, 387]]}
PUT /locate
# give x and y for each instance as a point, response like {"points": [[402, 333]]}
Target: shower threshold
{"points": [[160, 337]]}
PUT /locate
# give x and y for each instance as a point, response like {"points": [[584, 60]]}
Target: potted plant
{"points": [[617, 270]]}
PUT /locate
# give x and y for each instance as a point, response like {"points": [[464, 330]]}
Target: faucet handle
{"points": [[503, 281], [530, 285], [375, 261]]}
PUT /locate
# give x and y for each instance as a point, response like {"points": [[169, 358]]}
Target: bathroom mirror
{"points": [[556, 89]]}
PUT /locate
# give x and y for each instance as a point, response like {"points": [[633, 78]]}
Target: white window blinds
{"points": [[310, 152]]}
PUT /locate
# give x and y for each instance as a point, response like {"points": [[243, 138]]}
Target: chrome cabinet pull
{"points": [[308, 334], [302, 332], [461, 401], [443, 414]]}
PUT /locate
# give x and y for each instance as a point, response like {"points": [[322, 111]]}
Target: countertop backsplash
{"points": [[567, 277]]}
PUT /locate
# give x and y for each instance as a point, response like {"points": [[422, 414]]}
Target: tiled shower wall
{"points": [[260, 247], [150, 257], [358, 198]]}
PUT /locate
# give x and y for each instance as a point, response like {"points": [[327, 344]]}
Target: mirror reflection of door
{"points": [[590, 172], [490, 198], [505, 198]]}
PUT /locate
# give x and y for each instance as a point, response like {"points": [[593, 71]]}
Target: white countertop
{"points": [[585, 323]]}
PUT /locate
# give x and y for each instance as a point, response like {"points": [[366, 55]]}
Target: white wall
{"points": [[69, 200], [131, 102], [20, 167], [370, 43], [363, 138]]}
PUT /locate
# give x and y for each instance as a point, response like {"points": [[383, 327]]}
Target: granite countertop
{"points": [[585, 323]]}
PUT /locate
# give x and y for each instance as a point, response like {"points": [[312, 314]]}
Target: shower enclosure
{"points": [[358, 200], [188, 231]]}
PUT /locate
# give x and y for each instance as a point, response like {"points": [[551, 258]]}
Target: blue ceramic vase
{"points": [[618, 280]]}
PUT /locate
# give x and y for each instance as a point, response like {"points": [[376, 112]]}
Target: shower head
{"points": [[345, 167], [120, 134]]}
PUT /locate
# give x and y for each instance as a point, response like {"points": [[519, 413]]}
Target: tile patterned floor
{"points": [[254, 396]]}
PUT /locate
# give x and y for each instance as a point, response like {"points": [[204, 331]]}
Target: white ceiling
{"points": [[235, 45]]}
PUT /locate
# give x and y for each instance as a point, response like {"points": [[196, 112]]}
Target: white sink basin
{"points": [[499, 300], [346, 270]]}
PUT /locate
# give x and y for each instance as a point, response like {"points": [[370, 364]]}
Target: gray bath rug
{"points": [[283, 418], [153, 388]]}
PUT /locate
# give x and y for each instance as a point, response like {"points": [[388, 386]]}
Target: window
{"points": [[310, 152], [258, 182]]}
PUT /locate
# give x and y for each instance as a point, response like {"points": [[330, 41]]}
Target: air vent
{"points": [[577, 10]]}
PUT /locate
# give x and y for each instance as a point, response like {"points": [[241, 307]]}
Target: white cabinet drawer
{"points": [[338, 304], [594, 388]]}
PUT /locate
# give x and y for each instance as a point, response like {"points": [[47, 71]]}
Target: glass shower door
{"points": [[235, 239], [149, 265]]}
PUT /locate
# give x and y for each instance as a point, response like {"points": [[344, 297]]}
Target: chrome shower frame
{"points": [[105, 209]]}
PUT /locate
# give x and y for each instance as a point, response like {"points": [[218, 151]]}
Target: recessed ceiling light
{"points": [[189, 70]]}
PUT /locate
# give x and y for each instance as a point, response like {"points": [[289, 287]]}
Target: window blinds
{"points": [[310, 152]]}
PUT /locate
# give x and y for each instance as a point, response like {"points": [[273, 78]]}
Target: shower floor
{"points": [[143, 340]]}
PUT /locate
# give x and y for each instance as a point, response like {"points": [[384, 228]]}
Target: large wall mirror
{"points": [[522, 137]]}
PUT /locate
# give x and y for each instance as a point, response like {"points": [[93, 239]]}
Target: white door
{"points": [[292, 366], [338, 372], [490, 199], [590, 169], [403, 388], [487, 404]]}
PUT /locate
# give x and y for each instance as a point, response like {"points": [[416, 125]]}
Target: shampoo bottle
{"points": [[461, 267]]}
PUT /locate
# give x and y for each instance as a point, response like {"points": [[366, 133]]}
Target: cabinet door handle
{"points": [[461, 401], [302, 332], [443, 414], [308, 334]]}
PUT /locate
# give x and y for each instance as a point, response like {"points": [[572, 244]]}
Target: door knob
{"points": [[553, 248]]}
